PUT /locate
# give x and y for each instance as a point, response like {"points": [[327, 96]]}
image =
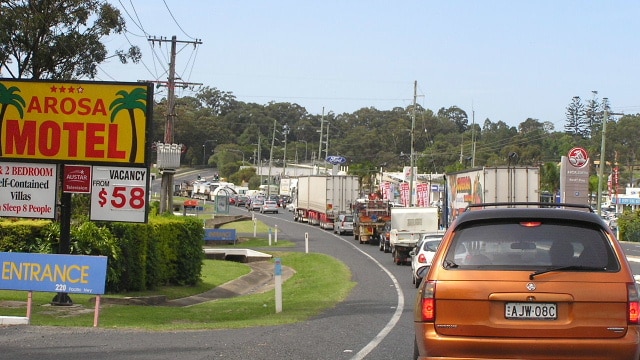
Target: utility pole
{"points": [[413, 125], [320, 142], [166, 192]]}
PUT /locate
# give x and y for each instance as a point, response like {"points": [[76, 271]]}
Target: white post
{"points": [[306, 243], [278, 285], [254, 225], [276, 236], [269, 236]]}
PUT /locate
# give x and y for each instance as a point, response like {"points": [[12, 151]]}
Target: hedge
{"points": [[165, 251]]}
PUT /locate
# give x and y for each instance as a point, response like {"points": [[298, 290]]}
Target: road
{"points": [[373, 323]]}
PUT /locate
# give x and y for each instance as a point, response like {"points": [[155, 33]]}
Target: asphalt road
{"points": [[373, 323]]}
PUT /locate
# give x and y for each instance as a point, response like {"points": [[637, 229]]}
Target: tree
{"points": [[576, 120], [58, 39]]}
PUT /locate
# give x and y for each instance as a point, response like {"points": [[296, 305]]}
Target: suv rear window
{"points": [[527, 244]]}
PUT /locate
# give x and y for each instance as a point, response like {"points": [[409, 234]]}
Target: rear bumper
{"points": [[434, 346]]}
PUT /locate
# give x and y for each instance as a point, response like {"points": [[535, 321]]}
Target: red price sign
{"points": [[123, 197], [119, 194]]}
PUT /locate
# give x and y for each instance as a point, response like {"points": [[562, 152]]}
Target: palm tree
{"points": [[130, 101], [7, 97]]}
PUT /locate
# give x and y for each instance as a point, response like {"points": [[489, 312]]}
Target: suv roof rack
{"points": [[530, 204]]}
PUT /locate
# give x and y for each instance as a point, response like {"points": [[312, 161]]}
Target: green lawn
{"points": [[320, 282]]}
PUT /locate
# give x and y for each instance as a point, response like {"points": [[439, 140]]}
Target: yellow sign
{"points": [[75, 121]]}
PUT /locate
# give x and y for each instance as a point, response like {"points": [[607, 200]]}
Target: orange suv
{"points": [[528, 281]]}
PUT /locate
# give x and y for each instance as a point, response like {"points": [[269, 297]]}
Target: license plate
{"points": [[530, 311]]}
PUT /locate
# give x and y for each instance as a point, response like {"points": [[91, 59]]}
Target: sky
{"points": [[501, 60]]}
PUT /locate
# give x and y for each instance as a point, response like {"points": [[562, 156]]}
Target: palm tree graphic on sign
{"points": [[7, 98], [136, 99]]}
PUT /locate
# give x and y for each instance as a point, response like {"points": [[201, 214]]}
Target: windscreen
{"points": [[527, 244]]}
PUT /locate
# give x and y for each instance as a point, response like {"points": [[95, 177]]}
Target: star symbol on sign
{"points": [[62, 89], [71, 89], [53, 88], [80, 90]]}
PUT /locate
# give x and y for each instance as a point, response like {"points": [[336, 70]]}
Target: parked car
{"points": [[528, 282], [385, 238], [269, 206], [422, 255], [343, 224]]}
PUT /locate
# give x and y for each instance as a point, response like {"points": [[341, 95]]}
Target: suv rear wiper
{"points": [[567, 268]]}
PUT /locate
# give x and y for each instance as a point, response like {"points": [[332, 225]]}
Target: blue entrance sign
{"points": [[77, 274]]}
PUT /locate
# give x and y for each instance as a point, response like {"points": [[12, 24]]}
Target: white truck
{"points": [[407, 227], [491, 185], [320, 199]]}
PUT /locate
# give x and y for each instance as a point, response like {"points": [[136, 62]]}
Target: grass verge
{"points": [[320, 282]]}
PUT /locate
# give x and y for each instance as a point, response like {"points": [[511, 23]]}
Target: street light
{"points": [[285, 132], [305, 149], [204, 152], [238, 151]]}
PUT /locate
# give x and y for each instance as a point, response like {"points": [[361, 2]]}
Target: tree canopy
{"points": [[58, 39]]}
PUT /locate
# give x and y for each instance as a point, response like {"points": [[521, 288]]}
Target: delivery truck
{"points": [[320, 199], [498, 184]]}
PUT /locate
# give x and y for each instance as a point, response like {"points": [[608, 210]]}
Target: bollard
{"points": [[275, 239], [306, 243], [269, 236], [254, 225], [278, 284]]}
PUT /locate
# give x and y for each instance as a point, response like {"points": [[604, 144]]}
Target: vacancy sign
{"points": [[28, 190], [119, 194]]}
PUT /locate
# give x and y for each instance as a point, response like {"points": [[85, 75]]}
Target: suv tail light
{"points": [[428, 304], [634, 304]]}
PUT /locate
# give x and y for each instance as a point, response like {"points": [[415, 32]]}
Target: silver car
{"points": [[343, 225]]}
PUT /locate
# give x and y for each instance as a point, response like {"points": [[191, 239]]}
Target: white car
{"points": [[343, 224], [269, 206], [422, 256]]}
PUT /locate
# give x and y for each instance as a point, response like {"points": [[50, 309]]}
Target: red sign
{"points": [[578, 157], [77, 179]]}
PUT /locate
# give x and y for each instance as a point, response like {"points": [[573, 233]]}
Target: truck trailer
{"points": [[369, 218], [498, 184], [407, 227], [320, 199]]}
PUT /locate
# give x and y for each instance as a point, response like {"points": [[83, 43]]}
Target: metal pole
{"points": [[602, 160], [320, 142], [413, 124]]}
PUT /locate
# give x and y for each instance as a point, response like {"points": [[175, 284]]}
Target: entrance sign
{"points": [[119, 194], [28, 190], [77, 274], [75, 121]]}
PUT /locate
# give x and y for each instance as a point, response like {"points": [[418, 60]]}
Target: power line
{"points": [[176, 21]]}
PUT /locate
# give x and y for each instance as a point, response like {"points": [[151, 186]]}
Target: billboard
{"points": [[28, 190], [75, 121]]}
